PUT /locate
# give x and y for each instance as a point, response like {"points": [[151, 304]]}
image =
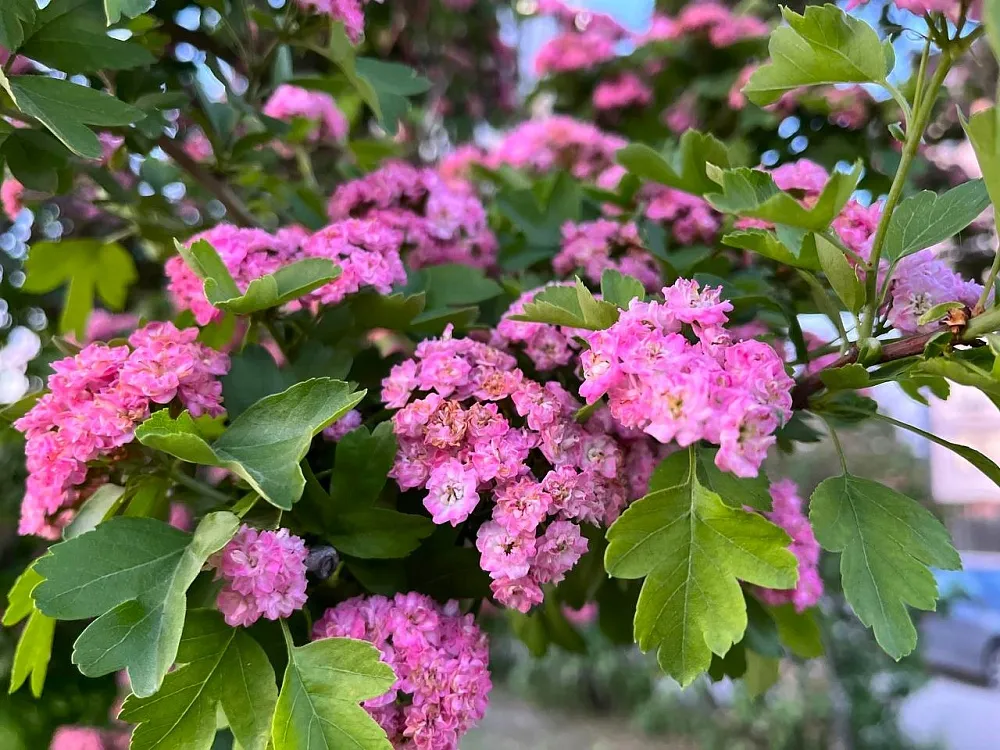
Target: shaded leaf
{"points": [[888, 543], [265, 444], [362, 463], [842, 277], [684, 169], [223, 669], [132, 574]]}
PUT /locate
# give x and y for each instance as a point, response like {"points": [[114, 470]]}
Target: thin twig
{"points": [[209, 182]]}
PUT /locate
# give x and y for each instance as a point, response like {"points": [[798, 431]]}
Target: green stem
{"points": [[897, 95], [837, 445], [988, 322], [990, 281], [196, 485], [306, 168], [914, 135]]}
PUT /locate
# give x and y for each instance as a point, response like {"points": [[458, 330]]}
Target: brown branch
{"points": [[810, 385], [234, 205]]}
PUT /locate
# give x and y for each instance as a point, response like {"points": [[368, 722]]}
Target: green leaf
{"points": [[842, 277], [736, 492], [762, 673], [392, 83], [66, 109], [454, 285], [363, 460], [983, 131], [90, 268], [569, 306], [799, 631], [223, 669], [683, 169], [132, 574], [888, 543], [265, 444], [938, 312], [320, 692], [272, 290], [693, 550], [850, 377], [925, 219], [16, 17], [115, 9], [619, 289], [395, 312], [376, 533], [34, 647], [71, 36], [824, 46], [253, 375], [97, 508], [800, 254], [753, 193]]}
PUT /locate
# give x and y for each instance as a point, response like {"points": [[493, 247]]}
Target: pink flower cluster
{"points": [[557, 142], [368, 255], [624, 91], [290, 102], [264, 574], [787, 513], [439, 222], [595, 246], [95, 401], [441, 661], [951, 8], [733, 394], [247, 253], [584, 39], [88, 738], [11, 197], [348, 12], [479, 431], [723, 26], [547, 346], [690, 218]]}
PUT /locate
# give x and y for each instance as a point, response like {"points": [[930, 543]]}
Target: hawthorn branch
{"points": [[234, 205]]}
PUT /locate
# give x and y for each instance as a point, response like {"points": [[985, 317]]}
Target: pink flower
{"points": [[347, 423], [592, 247], [517, 593], [348, 12], [788, 514], [95, 401], [950, 8], [439, 656], [264, 574], [451, 493], [290, 102], [11, 197], [627, 90]]}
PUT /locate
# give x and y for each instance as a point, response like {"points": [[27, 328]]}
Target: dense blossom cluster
{"points": [[584, 39], [479, 430], [733, 394], [290, 102], [439, 222], [786, 512], [621, 92], [595, 246], [264, 574], [367, 253], [440, 658], [691, 219], [722, 25], [247, 253], [547, 346], [96, 400], [348, 12], [557, 142]]}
